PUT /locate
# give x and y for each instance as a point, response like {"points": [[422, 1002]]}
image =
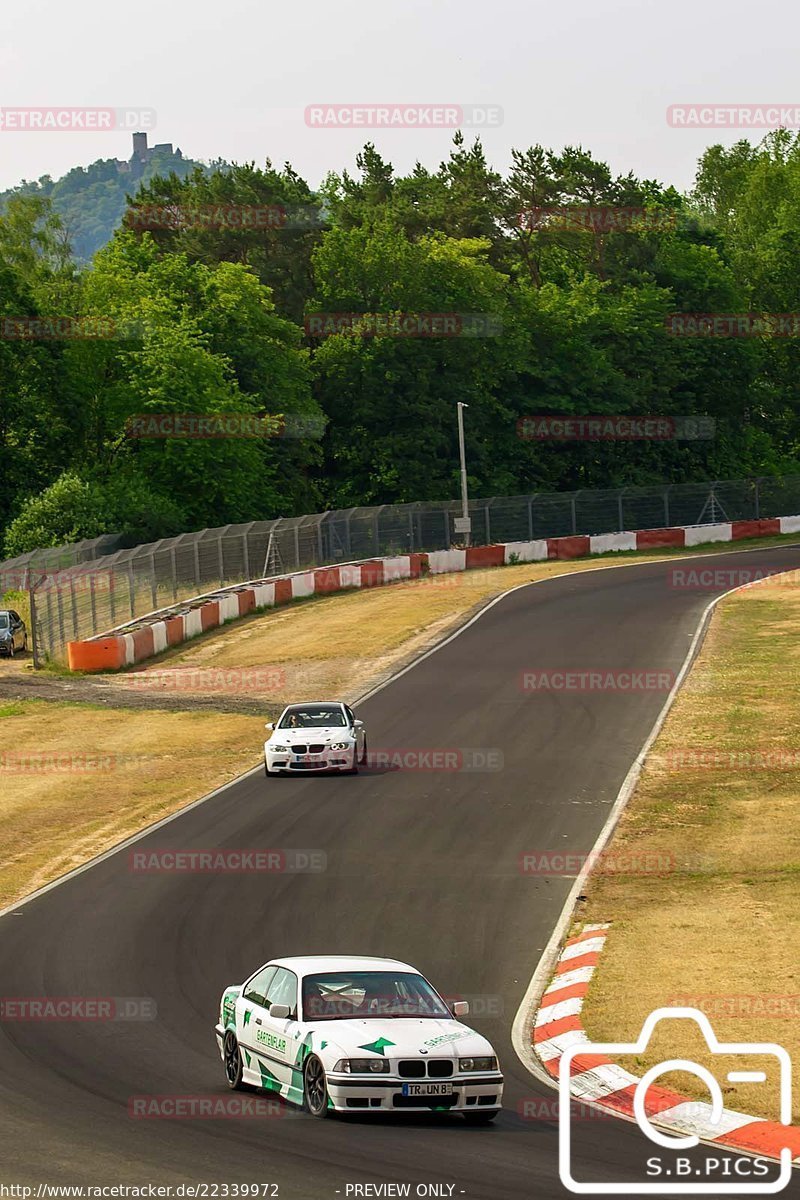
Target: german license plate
{"points": [[427, 1089]]}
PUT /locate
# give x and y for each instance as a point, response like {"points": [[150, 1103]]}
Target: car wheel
{"points": [[233, 1062], [363, 759], [315, 1088], [11, 650], [481, 1118], [25, 644]]}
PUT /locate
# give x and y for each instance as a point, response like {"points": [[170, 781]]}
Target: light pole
{"points": [[464, 525]]}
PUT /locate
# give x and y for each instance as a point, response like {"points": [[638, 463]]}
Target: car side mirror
{"points": [[269, 725], [279, 1011], [358, 724], [460, 1008]]}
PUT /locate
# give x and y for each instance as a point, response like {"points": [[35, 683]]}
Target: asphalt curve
{"points": [[421, 865]]}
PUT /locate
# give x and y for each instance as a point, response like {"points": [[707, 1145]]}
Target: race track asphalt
{"points": [[421, 866]]}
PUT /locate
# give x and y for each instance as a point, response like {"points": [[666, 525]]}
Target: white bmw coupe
{"points": [[319, 736], [356, 1035]]}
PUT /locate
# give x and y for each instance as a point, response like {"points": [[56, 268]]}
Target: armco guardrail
{"points": [[139, 641]]}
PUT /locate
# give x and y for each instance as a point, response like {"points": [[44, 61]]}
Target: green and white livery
{"points": [[351, 1034]]}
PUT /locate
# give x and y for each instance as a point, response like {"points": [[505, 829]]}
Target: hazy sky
{"points": [[232, 79]]}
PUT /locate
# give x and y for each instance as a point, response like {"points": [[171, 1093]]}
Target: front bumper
{"points": [[481, 1094], [310, 764]]}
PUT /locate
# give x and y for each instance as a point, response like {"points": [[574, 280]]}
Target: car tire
{"points": [[234, 1068], [11, 650], [481, 1118], [315, 1088], [363, 759], [25, 644]]}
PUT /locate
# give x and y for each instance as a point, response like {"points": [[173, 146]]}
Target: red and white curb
{"points": [[597, 1080]]}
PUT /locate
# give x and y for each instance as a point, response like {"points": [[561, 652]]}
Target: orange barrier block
{"points": [[105, 654], [485, 556]]}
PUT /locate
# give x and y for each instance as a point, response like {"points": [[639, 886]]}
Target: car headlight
{"points": [[280, 749], [477, 1064], [341, 745], [363, 1066]]}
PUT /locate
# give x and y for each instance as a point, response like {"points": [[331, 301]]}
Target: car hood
{"points": [[290, 737], [405, 1037]]}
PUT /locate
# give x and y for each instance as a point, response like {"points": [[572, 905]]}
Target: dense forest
{"points": [[551, 289]]}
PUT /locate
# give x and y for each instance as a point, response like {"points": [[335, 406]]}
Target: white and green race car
{"points": [[355, 1035]]}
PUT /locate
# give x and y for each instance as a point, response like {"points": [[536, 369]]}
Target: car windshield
{"points": [[370, 995], [5, 621], [312, 716]]}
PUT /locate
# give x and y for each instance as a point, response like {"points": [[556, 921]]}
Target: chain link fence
{"points": [[75, 592]]}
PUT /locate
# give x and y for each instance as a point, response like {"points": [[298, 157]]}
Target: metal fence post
{"points": [[666, 507], [572, 500], [758, 499], [446, 543], [197, 561], [620, 522], [530, 518], [73, 598], [131, 589], [221, 560], [153, 589], [112, 597], [93, 603], [174, 562]]}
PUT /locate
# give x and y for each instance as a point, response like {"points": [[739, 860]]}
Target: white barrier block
{"points": [[603, 542], [192, 624], [228, 608], [265, 595], [129, 651], [159, 636], [350, 576], [697, 535], [303, 585], [396, 568], [440, 561], [534, 551], [790, 524]]}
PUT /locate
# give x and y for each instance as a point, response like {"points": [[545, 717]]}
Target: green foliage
{"points": [[208, 313]]}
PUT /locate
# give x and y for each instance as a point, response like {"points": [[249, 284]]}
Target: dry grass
{"points": [[720, 800], [89, 777]]}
